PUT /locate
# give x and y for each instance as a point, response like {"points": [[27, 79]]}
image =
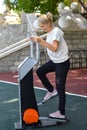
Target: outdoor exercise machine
{"points": [[28, 109]]}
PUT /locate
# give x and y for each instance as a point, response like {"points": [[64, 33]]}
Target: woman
{"points": [[59, 62]]}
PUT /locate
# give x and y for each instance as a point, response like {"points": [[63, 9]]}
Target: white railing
{"points": [[20, 45], [13, 48], [14, 45], [25, 42]]}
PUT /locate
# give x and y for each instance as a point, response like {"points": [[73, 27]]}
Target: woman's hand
{"points": [[53, 46], [35, 39]]}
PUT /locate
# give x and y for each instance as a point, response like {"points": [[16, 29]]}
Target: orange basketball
{"points": [[30, 116]]}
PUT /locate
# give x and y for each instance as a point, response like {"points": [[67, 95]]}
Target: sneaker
{"points": [[48, 96], [57, 115]]}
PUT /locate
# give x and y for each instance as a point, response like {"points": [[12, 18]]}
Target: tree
{"points": [[83, 5], [30, 6], [49, 6], [10, 4], [38, 5], [67, 2]]}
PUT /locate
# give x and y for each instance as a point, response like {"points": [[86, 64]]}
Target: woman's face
{"points": [[46, 27]]}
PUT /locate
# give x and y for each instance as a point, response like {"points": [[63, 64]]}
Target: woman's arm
{"points": [[52, 47]]}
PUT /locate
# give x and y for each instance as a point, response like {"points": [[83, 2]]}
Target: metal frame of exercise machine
{"points": [[27, 96]]}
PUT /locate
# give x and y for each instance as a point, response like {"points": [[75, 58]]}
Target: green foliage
{"points": [[49, 6], [67, 2], [28, 5], [7, 2], [31, 6], [11, 5], [42, 5]]}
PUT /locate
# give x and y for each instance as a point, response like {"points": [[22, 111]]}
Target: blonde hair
{"points": [[45, 18]]}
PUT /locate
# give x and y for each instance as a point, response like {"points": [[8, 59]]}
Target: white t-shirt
{"points": [[61, 54]]}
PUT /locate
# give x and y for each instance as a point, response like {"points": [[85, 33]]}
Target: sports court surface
{"points": [[76, 105]]}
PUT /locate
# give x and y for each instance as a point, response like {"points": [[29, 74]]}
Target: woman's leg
{"points": [[61, 74], [42, 71]]}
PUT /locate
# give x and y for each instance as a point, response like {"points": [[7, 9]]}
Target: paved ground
{"points": [[75, 106], [76, 80]]}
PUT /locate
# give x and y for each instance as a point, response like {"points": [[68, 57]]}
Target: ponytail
{"points": [[49, 16], [45, 18]]}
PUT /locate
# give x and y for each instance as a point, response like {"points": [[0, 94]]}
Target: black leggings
{"points": [[61, 70]]}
